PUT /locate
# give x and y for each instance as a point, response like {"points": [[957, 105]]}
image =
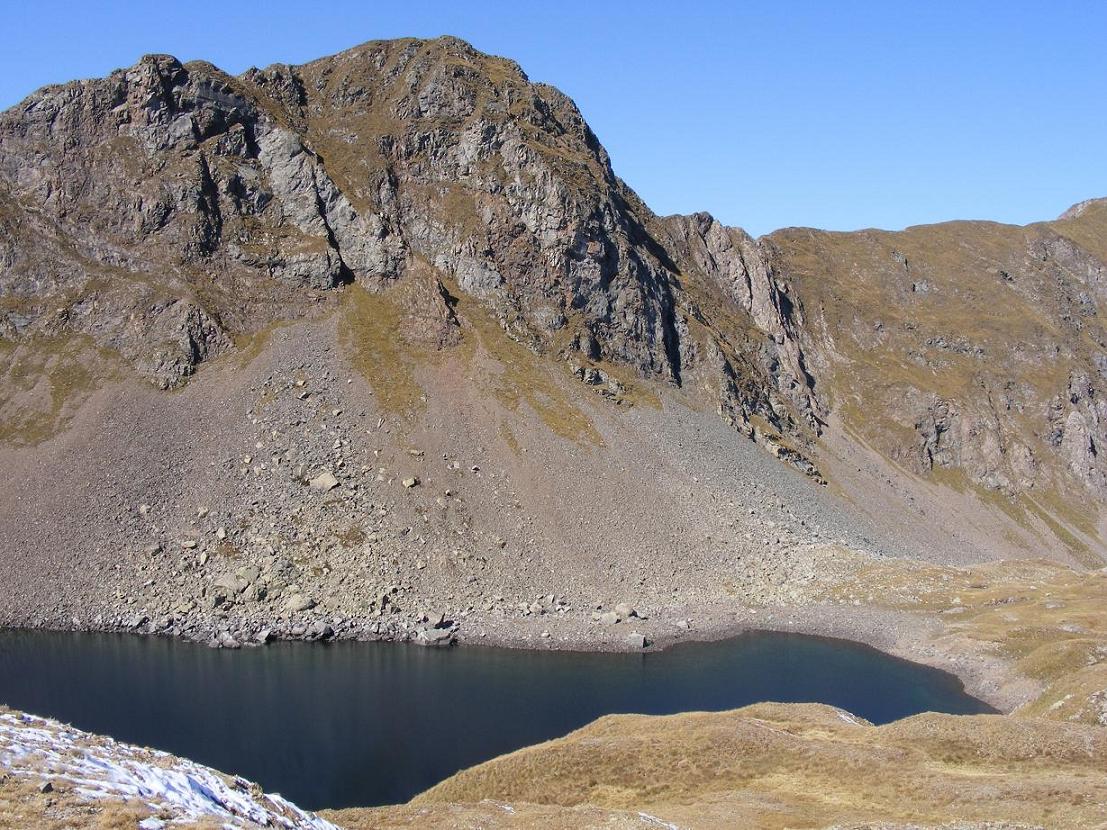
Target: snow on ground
{"points": [[174, 789]]}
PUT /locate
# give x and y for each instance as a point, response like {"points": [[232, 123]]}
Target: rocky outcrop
{"points": [[181, 207], [736, 264]]}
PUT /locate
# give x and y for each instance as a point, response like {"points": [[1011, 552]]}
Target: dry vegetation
{"points": [[1047, 621], [24, 807], [777, 766], [45, 380], [372, 332], [370, 335]]}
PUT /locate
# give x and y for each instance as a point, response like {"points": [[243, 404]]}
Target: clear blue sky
{"points": [[833, 114]]}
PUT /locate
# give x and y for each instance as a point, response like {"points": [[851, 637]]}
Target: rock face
{"points": [[167, 209], [169, 213]]}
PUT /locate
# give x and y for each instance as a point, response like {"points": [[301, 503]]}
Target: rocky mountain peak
{"points": [[151, 219], [167, 194]]}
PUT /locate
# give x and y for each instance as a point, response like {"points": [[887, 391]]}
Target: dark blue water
{"points": [[359, 724]]}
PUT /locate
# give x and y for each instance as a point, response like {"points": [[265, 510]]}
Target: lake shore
{"points": [[981, 624]]}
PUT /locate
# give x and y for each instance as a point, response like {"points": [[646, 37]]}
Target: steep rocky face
{"points": [[736, 267], [167, 209]]}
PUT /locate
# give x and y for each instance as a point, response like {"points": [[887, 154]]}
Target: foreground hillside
{"points": [[777, 766]]}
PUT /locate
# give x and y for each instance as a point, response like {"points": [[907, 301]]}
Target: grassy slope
{"points": [[776, 766], [1048, 621]]}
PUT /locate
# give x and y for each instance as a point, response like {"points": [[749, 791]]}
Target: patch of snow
{"points": [[101, 768], [848, 718], [654, 821]]}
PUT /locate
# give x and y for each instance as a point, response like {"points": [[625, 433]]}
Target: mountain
{"points": [[383, 339], [168, 209]]}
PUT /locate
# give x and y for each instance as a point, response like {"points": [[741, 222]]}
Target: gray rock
{"points": [[636, 640], [298, 602], [227, 640], [609, 618], [324, 481], [231, 584], [434, 637]]}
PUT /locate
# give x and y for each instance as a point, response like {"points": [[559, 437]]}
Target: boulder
{"points": [[299, 602], [231, 584], [636, 640], [324, 481], [625, 610], [434, 637]]}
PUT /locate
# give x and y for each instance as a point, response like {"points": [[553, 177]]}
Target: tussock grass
{"points": [[370, 331]]}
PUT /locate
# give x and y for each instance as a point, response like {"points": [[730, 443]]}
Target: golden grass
{"points": [[776, 766], [370, 332], [1089, 230], [45, 379], [1048, 620]]}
